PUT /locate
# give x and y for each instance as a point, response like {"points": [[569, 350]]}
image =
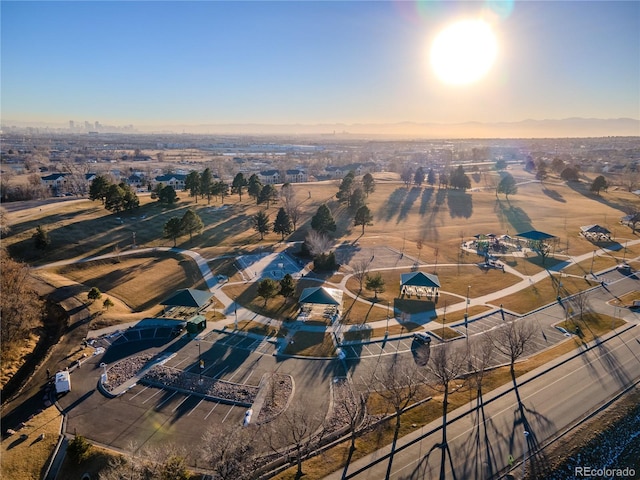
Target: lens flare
{"points": [[464, 52]]}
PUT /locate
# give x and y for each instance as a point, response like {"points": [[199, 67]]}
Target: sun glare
{"points": [[463, 52]]}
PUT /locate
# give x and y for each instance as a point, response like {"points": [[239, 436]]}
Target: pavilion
{"points": [[320, 300], [595, 233], [186, 302], [419, 284]]}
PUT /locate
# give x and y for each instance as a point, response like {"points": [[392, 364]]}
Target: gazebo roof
{"points": [[419, 279], [188, 297], [321, 296], [535, 235], [594, 229]]}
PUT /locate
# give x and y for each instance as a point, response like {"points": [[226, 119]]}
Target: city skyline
{"points": [[206, 63]]}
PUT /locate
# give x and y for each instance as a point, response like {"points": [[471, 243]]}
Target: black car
{"points": [[422, 337]]}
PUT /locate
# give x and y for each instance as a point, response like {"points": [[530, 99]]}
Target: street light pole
{"points": [[386, 333], [525, 453], [199, 364]]}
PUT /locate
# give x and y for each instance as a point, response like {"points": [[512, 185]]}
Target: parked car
{"points": [[422, 337]]}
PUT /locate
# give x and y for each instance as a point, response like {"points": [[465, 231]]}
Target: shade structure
{"points": [[419, 284], [420, 279], [597, 229], [188, 297], [321, 296], [535, 235]]}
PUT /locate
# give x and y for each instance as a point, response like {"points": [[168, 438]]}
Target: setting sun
{"points": [[463, 52]]}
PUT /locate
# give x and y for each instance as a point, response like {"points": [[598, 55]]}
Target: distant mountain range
{"points": [[564, 128], [568, 127]]}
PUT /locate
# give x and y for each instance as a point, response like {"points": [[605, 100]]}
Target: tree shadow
{"points": [[514, 216], [409, 200], [553, 195], [427, 193], [392, 206], [460, 204]]}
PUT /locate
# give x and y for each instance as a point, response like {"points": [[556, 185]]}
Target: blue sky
{"points": [[156, 63]]}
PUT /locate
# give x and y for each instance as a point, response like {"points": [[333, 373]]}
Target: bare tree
{"points": [[447, 364], [229, 452], [290, 204], [294, 433], [350, 406], [512, 339], [398, 385], [318, 243], [361, 269]]}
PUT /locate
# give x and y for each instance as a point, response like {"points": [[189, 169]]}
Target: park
{"points": [[451, 263]]}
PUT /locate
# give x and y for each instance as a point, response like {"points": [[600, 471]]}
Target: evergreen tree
{"points": [[254, 186], [599, 183], [459, 180], [192, 183], [268, 194], [173, 229], [94, 294], [287, 286], [114, 200], [418, 178], [239, 182], [507, 185], [363, 217], [368, 184], [375, 283], [220, 189], [191, 223], [357, 199], [323, 221], [261, 223], [168, 195], [206, 181], [431, 177], [346, 187], [268, 288], [282, 224], [98, 188], [130, 199]]}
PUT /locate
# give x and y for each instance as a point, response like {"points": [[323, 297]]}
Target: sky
{"points": [[311, 62]]}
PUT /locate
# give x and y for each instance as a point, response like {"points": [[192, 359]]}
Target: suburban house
{"points": [[269, 177], [173, 179], [296, 176], [358, 168], [59, 182]]}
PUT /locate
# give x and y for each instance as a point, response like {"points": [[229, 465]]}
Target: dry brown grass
{"points": [[543, 292], [140, 282], [15, 357], [25, 458], [311, 344]]}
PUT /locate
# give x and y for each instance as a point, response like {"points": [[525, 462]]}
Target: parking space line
{"points": [[231, 377], [178, 406], [212, 409], [134, 396], [225, 417], [194, 408], [166, 400], [367, 349], [221, 372], [159, 390], [180, 362], [246, 380]]}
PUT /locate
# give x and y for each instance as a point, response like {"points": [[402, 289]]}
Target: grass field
{"points": [[24, 454], [405, 219]]}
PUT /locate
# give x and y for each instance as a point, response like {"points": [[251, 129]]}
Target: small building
{"points": [[196, 324], [321, 302]]}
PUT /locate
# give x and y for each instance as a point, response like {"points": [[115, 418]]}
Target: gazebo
{"points": [[595, 233], [327, 301], [186, 302], [419, 284], [537, 240]]}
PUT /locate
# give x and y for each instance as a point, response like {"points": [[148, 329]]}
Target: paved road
{"points": [[552, 402]]}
